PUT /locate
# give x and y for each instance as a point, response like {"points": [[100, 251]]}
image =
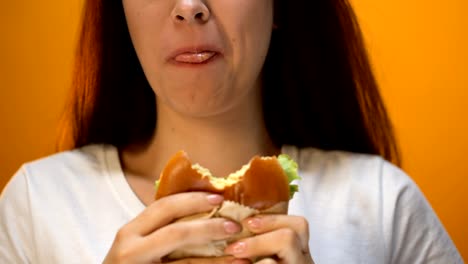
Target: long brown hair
{"points": [[319, 89]]}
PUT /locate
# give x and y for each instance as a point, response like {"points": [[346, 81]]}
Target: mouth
{"points": [[195, 57]]}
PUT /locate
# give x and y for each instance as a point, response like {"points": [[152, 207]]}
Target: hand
{"points": [[153, 234], [284, 237]]}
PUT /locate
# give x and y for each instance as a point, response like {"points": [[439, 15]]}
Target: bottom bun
{"points": [[229, 210]]}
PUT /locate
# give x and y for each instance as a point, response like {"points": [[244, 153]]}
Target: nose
{"points": [[190, 11]]}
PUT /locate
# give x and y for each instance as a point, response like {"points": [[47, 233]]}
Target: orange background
{"points": [[419, 50]]}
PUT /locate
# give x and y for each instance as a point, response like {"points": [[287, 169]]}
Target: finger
{"points": [[169, 208], [181, 234], [283, 243], [220, 260], [266, 223]]}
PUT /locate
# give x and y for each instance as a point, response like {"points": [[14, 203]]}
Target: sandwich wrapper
{"points": [[229, 210]]}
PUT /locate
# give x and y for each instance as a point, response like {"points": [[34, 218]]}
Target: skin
{"points": [[240, 30], [215, 105]]}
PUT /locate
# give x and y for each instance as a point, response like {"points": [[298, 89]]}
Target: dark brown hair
{"points": [[319, 89]]}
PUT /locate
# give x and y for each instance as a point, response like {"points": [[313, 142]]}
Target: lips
{"points": [[194, 54], [194, 57]]}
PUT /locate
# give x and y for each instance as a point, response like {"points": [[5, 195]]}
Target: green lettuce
{"points": [[290, 168]]}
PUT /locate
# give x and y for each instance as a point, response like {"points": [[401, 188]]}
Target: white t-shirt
{"points": [[67, 208]]}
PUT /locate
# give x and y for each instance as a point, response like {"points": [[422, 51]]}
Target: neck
{"points": [[221, 143]]}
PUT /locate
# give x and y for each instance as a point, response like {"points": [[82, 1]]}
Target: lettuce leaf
{"points": [[290, 168]]}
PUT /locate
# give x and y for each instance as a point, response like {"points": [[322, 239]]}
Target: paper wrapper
{"points": [[229, 210]]}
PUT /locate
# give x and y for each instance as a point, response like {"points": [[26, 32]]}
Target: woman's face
{"points": [[201, 57]]}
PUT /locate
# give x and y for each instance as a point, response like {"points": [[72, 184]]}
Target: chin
{"points": [[202, 103]]}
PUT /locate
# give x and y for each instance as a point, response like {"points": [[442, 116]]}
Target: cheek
{"points": [[252, 32], [145, 23]]}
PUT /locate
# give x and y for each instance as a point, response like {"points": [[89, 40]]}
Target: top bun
{"points": [[260, 184]]}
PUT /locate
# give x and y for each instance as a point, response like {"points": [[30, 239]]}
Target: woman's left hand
{"points": [[284, 237]]}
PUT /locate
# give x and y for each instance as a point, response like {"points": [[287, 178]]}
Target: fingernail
{"points": [[215, 199], [254, 223], [231, 227], [236, 248]]}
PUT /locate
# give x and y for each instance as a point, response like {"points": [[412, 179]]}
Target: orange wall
{"points": [[420, 54], [36, 49], [419, 50]]}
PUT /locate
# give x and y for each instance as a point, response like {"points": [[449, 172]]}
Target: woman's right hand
{"points": [[153, 234]]}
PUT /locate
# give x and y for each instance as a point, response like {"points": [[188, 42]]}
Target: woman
{"points": [[223, 80]]}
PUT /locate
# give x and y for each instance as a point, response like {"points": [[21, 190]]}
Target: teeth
{"points": [[197, 57]]}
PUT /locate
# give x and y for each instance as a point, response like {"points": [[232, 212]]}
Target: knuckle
{"points": [[123, 255], [288, 236], [303, 224], [303, 232], [122, 234], [149, 211], [125, 246]]}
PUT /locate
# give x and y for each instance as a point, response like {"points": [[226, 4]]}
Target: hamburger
{"points": [[263, 186]]}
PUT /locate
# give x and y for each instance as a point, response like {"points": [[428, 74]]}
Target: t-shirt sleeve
{"points": [[15, 221], [413, 233]]}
